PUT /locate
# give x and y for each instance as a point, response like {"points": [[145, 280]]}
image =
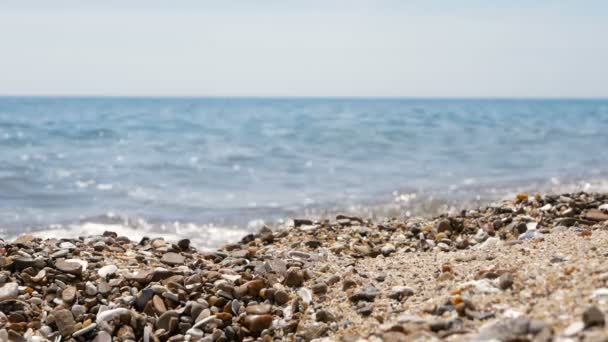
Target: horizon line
{"points": [[304, 97]]}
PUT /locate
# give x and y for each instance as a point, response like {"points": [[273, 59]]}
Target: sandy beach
{"points": [[528, 269]]}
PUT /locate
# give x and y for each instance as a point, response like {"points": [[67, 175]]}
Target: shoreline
{"points": [[454, 277]]}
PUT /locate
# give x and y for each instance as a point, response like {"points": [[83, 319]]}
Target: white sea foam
{"points": [[205, 237]]}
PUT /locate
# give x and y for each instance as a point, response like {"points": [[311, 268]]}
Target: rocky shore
{"points": [[529, 269]]}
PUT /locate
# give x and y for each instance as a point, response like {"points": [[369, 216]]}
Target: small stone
{"points": [[111, 314], [184, 244], [348, 283], [302, 222], [319, 288], [126, 333], [444, 247], [387, 249], [143, 298], [107, 270], [168, 321], [367, 293], [324, 316], [78, 311], [22, 262], [593, 317], [104, 288], [505, 281], [517, 228], [443, 226], [531, 235], [85, 330], [259, 309], [65, 322], [9, 291], [310, 331], [596, 215], [195, 333], [69, 267], [294, 277], [281, 297], [69, 294], [90, 289], [365, 309], [173, 259], [481, 236], [159, 305], [400, 292], [257, 323], [60, 253], [253, 287], [305, 294], [67, 245]]}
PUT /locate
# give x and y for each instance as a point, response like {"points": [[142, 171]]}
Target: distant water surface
{"points": [[211, 169]]}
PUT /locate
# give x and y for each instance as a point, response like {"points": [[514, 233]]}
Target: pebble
{"points": [[107, 270], [259, 309], [9, 291], [505, 281], [593, 317], [367, 293], [319, 288], [173, 259], [257, 323], [531, 235], [400, 292], [324, 316], [281, 297], [365, 309], [305, 295], [294, 277], [111, 314], [85, 330], [159, 305], [69, 267], [69, 294], [65, 322], [443, 226], [184, 244], [67, 245], [387, 249], [90, 289]]}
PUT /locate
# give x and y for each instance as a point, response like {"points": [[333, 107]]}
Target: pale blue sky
{"points": [[305, 48]]}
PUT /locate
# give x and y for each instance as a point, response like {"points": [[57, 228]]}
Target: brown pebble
{"points": [[65, 322], [69, 294], [159, 305], [294, 277], [281, 297], [348, 283], [260, 309], [257, 323], [254, 286]]}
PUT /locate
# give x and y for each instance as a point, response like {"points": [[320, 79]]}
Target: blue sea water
{"points": [[213, 168]]}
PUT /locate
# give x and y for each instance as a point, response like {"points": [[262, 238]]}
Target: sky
{"points": [[382, 48]]}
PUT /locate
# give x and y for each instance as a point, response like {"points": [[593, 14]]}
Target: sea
{"points": [[214, 169]]}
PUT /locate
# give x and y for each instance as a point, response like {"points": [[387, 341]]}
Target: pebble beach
{"points": [[530, 268]]}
